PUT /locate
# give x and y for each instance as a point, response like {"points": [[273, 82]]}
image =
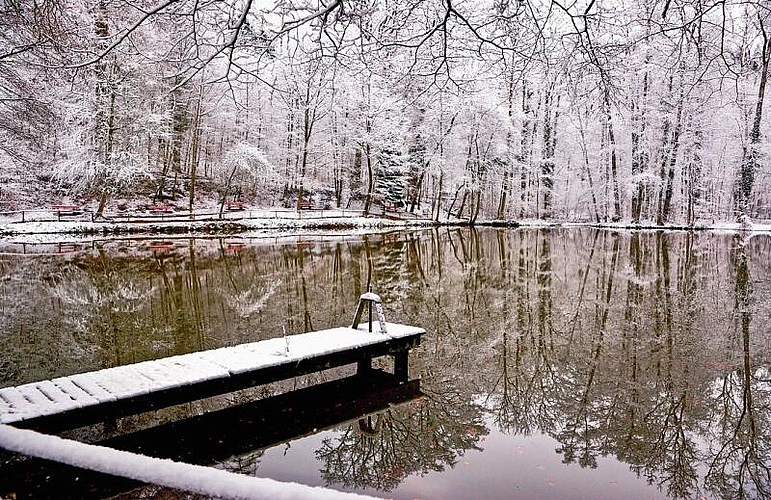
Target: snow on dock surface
{"points": [[192, 478], [48, 397]]}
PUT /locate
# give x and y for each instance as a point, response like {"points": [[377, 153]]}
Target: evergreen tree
{"points": [[391, 174]]}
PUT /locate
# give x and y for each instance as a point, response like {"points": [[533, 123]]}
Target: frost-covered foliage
{"points": [[245, 162], [85, 175], [245, 167], [544, 112]]}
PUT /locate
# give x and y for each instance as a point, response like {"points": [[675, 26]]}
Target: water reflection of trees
{"points": [[647, 406], [740, 426], [615, 344], [644, 345], [417, 438]]}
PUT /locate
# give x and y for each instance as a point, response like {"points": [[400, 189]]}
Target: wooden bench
{"points": [[66, 210], [235, 205], [161, 246], [305, 205], [66, 247], [163, 209]]}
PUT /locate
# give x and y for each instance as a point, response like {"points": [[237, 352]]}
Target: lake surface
{"points": [[558, 363]]}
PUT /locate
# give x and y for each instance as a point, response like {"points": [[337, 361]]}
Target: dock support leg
{"points": [[364, 366], [401, 370]]}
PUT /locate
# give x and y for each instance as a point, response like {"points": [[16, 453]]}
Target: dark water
{"points": [[561, 363]]}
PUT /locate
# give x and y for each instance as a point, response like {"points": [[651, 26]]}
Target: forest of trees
{"points": [[646, 111]]}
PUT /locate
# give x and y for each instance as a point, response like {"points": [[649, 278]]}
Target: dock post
{"points": [[401, 366], [364, 366]]}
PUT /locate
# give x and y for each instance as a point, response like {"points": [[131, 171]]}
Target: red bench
{"points": [[236, 205], [65, 210], [305, 204], [66, 247], [161, 246], [160, 208]]}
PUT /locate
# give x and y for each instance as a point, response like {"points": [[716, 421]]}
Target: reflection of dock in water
{"points": [[220, 435]]}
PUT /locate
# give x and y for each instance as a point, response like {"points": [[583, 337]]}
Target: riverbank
{"points": [[47, 222], [47, 229]]}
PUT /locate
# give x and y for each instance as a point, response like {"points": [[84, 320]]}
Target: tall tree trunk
{"points": [[195, 151], [675, 146], [639, 154], [693, 170], [338, 145], [613, 162], [290, 125], [507, 163], [664, 157], [104, 120], [370, 178], [751, 154], [588, 169], [549, 146], [354, 176], [439, 197], [525, 147]]}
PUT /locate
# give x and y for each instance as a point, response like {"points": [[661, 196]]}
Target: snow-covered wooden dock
{"points": [[85, 398], [203, 439]]}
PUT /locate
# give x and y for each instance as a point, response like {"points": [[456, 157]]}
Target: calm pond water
{"points": [[559, 363]]}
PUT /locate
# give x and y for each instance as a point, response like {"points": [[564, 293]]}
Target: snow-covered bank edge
{"points": [[729, 227], [68, 231], [192, 478], [203, 227]]}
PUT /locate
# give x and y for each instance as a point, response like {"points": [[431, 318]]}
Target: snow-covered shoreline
{"points": [[33, 232], [225, 226]]}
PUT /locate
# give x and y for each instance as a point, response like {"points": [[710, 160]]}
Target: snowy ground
{"points": [[732, 227], [234, 222], [42, 226]]}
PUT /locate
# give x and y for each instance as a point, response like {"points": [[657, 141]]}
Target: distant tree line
{"points": [[650, 111]]}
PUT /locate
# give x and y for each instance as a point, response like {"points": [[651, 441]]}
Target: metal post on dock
{"points": [[369, 299]]}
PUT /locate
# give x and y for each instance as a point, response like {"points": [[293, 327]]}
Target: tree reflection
{"points": [[652, 347], [740, 445], [416, 438], [582, 437]]}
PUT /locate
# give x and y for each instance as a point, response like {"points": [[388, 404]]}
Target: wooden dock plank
{"points": [[192, 368], [55, 394], [87, 383], [37, 398], [80, 397], [19, 406]]}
